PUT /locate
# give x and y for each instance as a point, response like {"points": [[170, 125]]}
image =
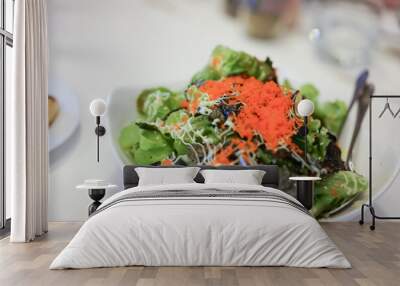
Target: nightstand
{"points": [[97, 190], [305, 190]]}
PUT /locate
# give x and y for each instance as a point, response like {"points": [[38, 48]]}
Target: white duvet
{"points": [[200, 231]]}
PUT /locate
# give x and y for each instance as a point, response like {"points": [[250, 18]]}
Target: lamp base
{"points": [[305, 193], [96, 195]]}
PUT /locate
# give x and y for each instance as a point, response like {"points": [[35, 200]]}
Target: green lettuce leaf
{"points": [[158, 102], [208, 73], [332, 114], [129, 136], [150, 139], [227, 62], [179, 147], [145, 146], [176, 117], [335, 190], [203, 127], [152, 156], [129, 139]]}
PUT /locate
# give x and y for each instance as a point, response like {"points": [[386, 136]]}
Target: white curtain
{"points": [[27, 124]]}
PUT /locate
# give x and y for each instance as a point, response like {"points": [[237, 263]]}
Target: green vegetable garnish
{"points": [[333, 114], [337, 189], [227, 62], [158, 102]]}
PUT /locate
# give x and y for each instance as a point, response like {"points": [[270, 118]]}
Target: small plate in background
{"points": [[67, 120]]}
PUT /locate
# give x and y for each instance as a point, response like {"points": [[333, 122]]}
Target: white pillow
{"points": [[248, 177], [166, 176]]}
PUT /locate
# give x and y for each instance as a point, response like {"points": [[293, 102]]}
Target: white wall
{"points": [[97, 46]]}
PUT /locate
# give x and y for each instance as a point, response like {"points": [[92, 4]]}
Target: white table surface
{"points": [[304, 178], [93, 187]]}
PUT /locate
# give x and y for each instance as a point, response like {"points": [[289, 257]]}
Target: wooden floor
{"points": [[375, 257]]}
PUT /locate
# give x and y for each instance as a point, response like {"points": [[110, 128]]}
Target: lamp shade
{"points": [[98, 107], [305, 107]]}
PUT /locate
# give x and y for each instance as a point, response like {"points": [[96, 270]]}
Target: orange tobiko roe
{"points": [[166, 162], [222, 157], [245, 148], [266, 110]]}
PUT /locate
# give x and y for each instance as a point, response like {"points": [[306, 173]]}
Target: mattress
{"points": [[201, 225]]}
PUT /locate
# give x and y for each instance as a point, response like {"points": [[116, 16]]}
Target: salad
{"points": [[235, 111]]}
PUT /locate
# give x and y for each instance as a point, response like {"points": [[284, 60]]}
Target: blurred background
{"points": [[342, 32], [99, 46]]}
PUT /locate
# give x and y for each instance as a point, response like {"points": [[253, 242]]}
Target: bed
{"points": [[198, 224]]}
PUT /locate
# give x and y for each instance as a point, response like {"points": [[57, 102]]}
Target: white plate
{"points": [[67, 120], [386, 153]]}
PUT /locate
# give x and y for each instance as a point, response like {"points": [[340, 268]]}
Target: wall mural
{"points": [[237, 111], [240, 108]]}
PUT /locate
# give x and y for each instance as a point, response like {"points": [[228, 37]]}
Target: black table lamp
{"points": [[98, 108], [305, 108], [305, 184]]}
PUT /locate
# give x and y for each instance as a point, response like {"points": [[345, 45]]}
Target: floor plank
{"points": [[375, 257]]}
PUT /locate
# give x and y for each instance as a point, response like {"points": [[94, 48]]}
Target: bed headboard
{"points": [[271, 177]]}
